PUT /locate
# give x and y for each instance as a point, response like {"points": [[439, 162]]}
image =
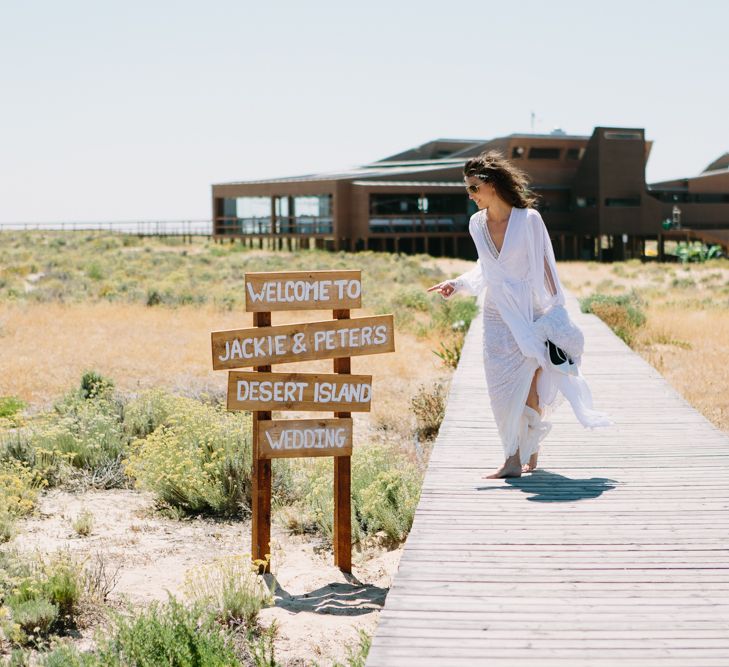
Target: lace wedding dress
{"points": [[521, 284]]}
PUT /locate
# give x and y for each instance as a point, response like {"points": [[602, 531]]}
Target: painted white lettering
{"points": [[380, 334], [273, 444], [242, 392], [340, 285], [354, 288], [255, 296], [354, 337], [258, 350]]}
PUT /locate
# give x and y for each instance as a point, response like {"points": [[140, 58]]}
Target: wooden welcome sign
{"points": [[262, 391]]}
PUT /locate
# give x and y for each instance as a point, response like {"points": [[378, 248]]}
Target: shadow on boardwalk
{"points": [[550, 487]]}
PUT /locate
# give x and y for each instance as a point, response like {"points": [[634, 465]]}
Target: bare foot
{"points": [[532, 465], [505, 471]]}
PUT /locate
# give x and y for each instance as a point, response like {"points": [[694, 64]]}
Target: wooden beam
{"points": [[342, 480]]}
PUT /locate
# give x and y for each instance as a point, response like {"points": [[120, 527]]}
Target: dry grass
{"points": [[690, 348], [46, 348], [686, 335]]}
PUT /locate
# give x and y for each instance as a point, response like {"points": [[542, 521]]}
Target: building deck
{"points": [[615, 552]]}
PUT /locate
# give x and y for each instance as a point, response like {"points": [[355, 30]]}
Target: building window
{"points": [[575, 153], [517, 152], [393, 204], [544, 153], [610, 134], [622, 201]]}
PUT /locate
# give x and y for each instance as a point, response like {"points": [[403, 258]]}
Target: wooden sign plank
{"points": [[329, 339], [302, 290], [287, 438], [299, 391]]}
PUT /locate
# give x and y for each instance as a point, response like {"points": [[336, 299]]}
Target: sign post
{"points": [[263, 391], [261, 477], [342, 538]]}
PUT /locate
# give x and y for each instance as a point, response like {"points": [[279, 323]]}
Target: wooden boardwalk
{"points": [[615, 553]]}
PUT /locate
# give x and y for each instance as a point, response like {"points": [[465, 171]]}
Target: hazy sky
{"points": [[130, 110]]}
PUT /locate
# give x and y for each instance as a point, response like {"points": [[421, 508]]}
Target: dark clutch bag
{"points": [[559, 360]]}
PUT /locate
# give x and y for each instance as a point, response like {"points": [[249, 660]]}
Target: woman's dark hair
{"points": [[510, 183]]}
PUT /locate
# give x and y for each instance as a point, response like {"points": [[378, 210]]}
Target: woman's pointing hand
{"points": [[445, 289]]}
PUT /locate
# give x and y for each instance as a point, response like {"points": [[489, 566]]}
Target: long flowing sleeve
{"points": [[547, 286], [471, 282]]}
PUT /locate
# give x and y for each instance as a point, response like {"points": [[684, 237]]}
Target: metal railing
{"points": [[302, 224], [138, 227], [392, 224]]}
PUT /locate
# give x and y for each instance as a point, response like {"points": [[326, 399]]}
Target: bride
{"points": [[516, 264]]}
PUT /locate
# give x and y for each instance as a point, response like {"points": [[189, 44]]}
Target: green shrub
{"points": [[168, 634], [149, 410], [85, 435], [63, 584], [198, 461], [95, 385], [83, 524], [456, 314], [68, 656], [428, 406], [450, 352], [35, 617], [414, 298], [385, 491], [10, 406], [357, 655], [696, 251], [19, 487], [94, 271], [154, 298], [42, 593], [231, 589], [623, 314]]}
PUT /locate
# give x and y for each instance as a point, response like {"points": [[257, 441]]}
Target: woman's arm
{"points": [[471, 282], [551, 289]]}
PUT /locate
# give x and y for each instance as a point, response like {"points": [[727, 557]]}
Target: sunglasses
{"points": [[473, 189]]}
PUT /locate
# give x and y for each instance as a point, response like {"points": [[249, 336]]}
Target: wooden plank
{"points": [[302, 290], [615, 553], [296, 438], [328, 339], [299, 391]]}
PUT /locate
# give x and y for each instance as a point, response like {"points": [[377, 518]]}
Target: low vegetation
{"points": [[674, 315]]}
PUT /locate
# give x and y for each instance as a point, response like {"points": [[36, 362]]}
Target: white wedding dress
{"points": [[521, 284]]}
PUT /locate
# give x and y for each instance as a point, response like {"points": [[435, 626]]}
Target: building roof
{"points": [[721, 163], [366, 171], [426, 184], [433, 150], [437, 154]]}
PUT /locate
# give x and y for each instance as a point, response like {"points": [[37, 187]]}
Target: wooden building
{"points": [[592, 189]]}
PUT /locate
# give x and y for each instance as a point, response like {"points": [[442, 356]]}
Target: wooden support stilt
{"points": [[342, 481]]}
